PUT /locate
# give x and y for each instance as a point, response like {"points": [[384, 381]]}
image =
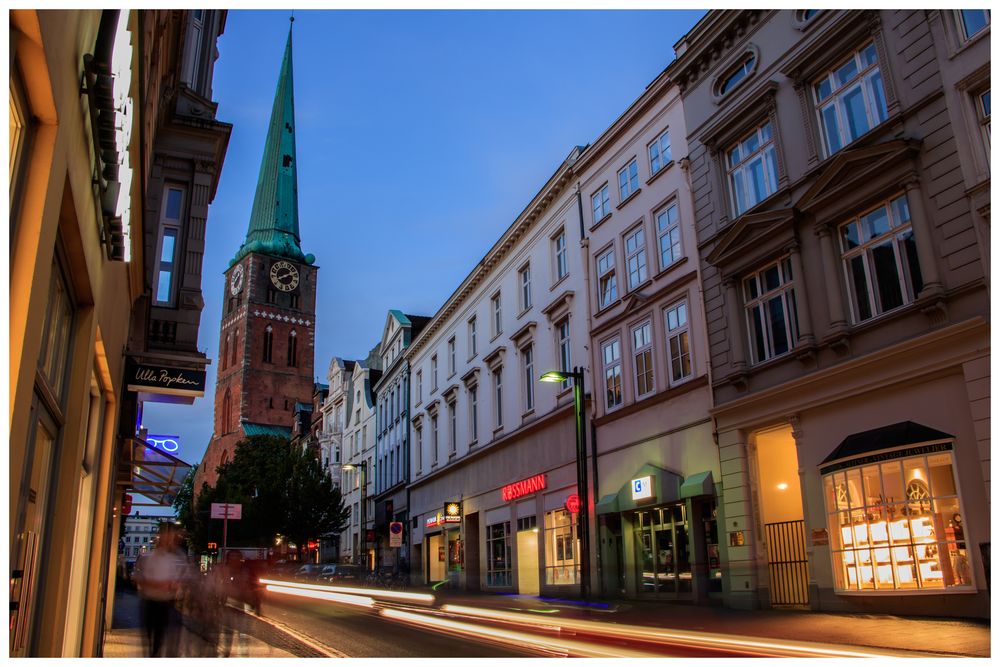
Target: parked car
{"points": [[344, 573], [308, 572]]}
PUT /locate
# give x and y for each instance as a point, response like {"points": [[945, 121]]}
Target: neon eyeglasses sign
{"points": [[523, 487], [168, 443]]}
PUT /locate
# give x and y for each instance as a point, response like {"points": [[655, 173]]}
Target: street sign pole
{"points": [[225, 531]]}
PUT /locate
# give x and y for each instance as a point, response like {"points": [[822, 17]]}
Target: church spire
{"points": [[274, 219]]}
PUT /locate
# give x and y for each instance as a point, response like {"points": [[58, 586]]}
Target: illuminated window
{"points": [[498, 556], [601, 203], [850, 99], [628, 180], [896, 524], [659, 153], [880, 260], [562, 564]]}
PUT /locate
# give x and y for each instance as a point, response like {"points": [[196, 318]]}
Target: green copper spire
{"points": [[274, 220]]}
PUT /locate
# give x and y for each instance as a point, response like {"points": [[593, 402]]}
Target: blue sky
{"points": [[420, 136]]}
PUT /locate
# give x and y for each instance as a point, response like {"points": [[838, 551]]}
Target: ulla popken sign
{"points": [[158, 379], [523, 487]]}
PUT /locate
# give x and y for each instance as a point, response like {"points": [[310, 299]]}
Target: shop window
{"points": [[771, 313], [498, 558], [527, 523], [663, 559], [897, 525], [562, 564], [880, 260], [709, 517], [850, 99]]}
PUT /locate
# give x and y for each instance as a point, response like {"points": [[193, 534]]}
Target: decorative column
{"points": [[737, 537], [831, 273], [799, 438], [925, 243], [806, 337], [737, 336]]}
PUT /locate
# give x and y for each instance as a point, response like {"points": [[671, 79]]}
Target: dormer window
{"points": [[742, 70]]}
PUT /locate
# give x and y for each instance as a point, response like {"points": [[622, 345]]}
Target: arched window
{"points": [[236, 339], [268, 342], [225, 352], [227, 412], [740, 71], [225, 458], [292, 349]]}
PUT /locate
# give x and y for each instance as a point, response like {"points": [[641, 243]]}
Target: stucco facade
{"points": [[837, 180]]}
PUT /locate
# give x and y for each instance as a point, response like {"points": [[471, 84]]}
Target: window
{"points": [[635, 258], [498, 559], [753, 170], [737, 74], [236, 340], [272, 296], [434, 373], [770, 306], [292, 349], [420, 386], [524, 278], [565, 350], [473, 349], [880, 260], [561, 565], [166, 258], [612, 355], [601, 202], [628, 180], [659, 153], [559, 245], [527, 357], [498, 398], [474, 412], [678, 341], [607, 286], [642, 351], [268, 343], [897, 524], [192, 69], [419, 437], [668, 235], [850, 99], [452, 430], [497, 314], [983, 113], [20, 119], [973, 21], [451, 356], [295, 301]]}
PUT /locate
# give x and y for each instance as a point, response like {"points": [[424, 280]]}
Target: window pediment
{"points": [[559, 306], [524, 334], [752, 238], [433, 406], [471, 378], [495, 358], [857, 172], [450, 393]]}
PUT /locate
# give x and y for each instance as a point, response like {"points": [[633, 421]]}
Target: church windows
{"points": [[295, 301], [227, 412], [272, 295], [292, 349], [225, 352], [268, 343], [236, 337]]}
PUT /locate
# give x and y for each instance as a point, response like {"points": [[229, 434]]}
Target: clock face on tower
{"points": [[236, 280], [284, 276]]}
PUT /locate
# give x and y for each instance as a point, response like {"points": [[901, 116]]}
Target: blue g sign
{"points": [[168, 443]]}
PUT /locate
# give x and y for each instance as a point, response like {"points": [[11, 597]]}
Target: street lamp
{"points": [[581, 470], [363, 466]]}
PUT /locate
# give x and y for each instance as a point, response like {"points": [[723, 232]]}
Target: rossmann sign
{"points": [[523, 487]]}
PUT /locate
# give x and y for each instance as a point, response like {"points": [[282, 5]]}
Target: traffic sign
{"points": [[396, 534], [227, 511]]}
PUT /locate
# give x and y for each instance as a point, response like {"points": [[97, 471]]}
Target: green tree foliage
{"points": [[283, 489]]}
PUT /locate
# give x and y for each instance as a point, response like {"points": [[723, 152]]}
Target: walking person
{"points": [[160, 576]]}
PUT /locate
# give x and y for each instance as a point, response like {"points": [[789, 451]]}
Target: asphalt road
{"points": [[361, 633]]}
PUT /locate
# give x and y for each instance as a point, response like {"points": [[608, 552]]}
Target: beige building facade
{"points": [[839, 163]]}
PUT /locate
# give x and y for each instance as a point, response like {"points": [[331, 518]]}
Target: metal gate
{"points": [[787, 562]]}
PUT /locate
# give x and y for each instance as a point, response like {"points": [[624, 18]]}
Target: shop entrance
{"points": [[436, 558], [662, 551], [527, 556], [781, 513]]}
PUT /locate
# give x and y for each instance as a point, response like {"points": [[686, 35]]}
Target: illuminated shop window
{"points": [[562, 565], [897, 524], [498, 558]]}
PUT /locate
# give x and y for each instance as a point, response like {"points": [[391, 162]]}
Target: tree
{"points": [[283, 489]]}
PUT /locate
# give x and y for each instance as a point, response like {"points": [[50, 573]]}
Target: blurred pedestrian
{"points": [[161, 576]]}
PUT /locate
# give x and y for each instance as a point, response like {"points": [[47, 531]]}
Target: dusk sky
{"points": [[420, 136]]}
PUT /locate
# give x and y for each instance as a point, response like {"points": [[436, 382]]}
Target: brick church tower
{"points": [[267, 331]]}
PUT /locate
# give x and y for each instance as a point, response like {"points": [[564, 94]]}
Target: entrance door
{"points": [[436, 557], [527, 562], [662, 551], [781, 514]]}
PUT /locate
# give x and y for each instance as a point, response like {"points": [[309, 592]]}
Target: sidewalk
{"points": [[948, 637], [125, 640]]}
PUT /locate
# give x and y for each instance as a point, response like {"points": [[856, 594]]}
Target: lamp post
{"points": [[576, 375], [363, 466]]}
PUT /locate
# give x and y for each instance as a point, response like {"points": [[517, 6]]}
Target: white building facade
{"points": [[357, 456], [492, 459]]}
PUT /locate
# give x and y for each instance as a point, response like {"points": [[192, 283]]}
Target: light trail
{"points": [[355, 600], [522, 640], [422, 598], [722, 642]]}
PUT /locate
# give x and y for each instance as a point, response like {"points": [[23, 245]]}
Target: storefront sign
{"points": [[433, 521], [396, 534], [168, 443], [642, 488], [164, 379], [573, 503], [523, 487], [452, 512], [886, 456]]}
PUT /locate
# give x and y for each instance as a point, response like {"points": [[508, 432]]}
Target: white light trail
{"points": [[422, 598], [356, 600]]}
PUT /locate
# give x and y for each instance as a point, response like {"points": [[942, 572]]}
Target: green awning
{"points": [[608, 504], [698, 484]]}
